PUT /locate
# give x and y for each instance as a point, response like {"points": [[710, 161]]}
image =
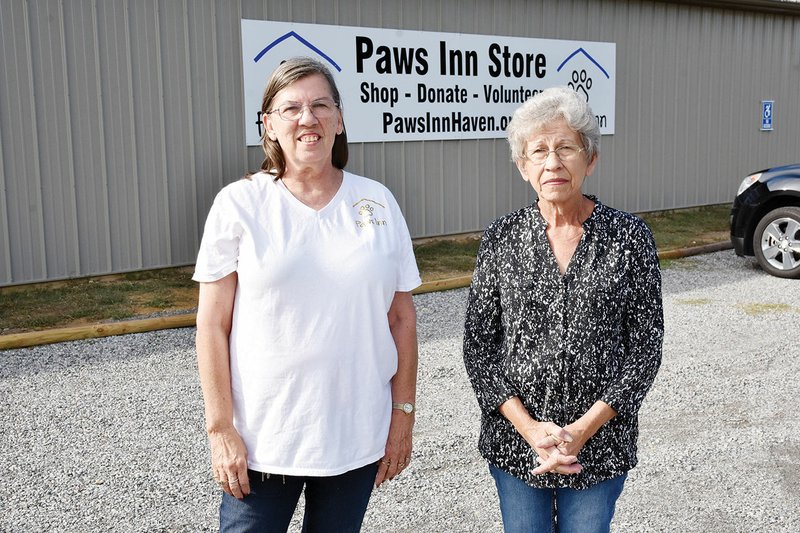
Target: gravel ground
{"points": [[107, 434]]}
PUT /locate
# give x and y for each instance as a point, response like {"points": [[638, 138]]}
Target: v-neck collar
{"points": [[310, 211]]}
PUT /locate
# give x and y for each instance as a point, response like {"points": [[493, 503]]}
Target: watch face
{"points": [[408, 408]]}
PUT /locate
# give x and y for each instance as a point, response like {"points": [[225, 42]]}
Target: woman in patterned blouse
{"points": [[563, 330]]}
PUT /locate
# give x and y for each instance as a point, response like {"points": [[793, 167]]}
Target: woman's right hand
{"points": [[544, 438], [229, 462]]}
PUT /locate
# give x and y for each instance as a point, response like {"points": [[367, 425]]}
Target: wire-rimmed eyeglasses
{"points": [[565, 153], [290, 111]]}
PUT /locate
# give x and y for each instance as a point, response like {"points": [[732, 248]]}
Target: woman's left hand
{"points": [[560, 451], [580, 430], [397, 455]]}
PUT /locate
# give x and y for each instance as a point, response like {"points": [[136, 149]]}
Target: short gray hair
{"points": [[548, 106]]}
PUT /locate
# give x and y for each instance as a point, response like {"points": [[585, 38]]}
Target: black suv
{"points": [[765, 220]]}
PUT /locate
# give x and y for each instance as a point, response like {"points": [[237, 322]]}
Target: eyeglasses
{"points": [[321, 109], [565, 153]]}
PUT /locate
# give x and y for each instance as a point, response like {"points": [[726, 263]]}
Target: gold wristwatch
{"points": [[406, 407]]}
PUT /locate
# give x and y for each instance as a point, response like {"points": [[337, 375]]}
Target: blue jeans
{"points": [[526, 509], [335, 503]]}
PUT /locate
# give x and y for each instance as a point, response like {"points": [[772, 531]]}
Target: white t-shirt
{"points": [[311, 352]]}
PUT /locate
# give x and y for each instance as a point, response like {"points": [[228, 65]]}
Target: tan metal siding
{"points": [[119, 121]]}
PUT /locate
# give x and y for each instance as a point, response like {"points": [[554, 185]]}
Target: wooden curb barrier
{"points": [[695, 250], [92, 331], [188, 320]]}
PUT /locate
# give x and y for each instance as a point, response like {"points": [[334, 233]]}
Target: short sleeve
{"points": [[219, 248]]}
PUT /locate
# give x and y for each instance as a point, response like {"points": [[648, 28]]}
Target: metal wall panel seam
{"points": [[5, 236], [671, 26], [796, 43], [382, 178], [783, 55], [633, 113], [422, 175], [461, 187], [495, 214], [691, 106], [714, 73], [37, 173], [162, 124], [218, 95], [650, 168], [240, 67], [780, 62], [102, 145], [70, 150], [190, 100], [442, 188], [132, 124], [736, 75], [784, 44], [404, 178], [752, 29]]}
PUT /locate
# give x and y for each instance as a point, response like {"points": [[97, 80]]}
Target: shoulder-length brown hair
{"points": [[286, 74]]}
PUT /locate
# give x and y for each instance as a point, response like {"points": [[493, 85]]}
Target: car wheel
{"points": [[776, 242]]}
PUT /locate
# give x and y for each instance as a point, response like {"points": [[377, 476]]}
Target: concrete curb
{"points": [[92, 331]]}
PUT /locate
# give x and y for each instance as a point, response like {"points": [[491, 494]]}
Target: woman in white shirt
{"points": [[306, 330]]}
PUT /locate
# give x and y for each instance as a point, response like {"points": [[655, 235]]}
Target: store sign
{"points": [[399, 85]]}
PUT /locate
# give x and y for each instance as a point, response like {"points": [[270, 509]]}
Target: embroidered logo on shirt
{"points": [[366, 212]]}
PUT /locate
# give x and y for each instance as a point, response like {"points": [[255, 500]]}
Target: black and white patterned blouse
{"points": [[560, 343]]}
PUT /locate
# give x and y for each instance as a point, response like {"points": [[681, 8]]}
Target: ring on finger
{"points": [[387, 463], [401, 465]]}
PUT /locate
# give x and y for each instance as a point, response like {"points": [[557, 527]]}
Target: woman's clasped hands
{"points": [[557, 449]]}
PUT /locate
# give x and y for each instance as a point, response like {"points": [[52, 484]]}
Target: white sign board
{"points": [[399, 85]]}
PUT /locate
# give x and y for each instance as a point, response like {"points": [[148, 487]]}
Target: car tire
{"points": [[776, 242]]}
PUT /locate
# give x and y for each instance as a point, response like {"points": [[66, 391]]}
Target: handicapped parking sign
{"points": [[767, 112]]}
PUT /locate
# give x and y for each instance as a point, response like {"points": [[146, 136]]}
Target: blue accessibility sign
{"points": [[767, 112]]}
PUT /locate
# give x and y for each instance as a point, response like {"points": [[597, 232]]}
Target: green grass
{"points": [[45, 306], [689, 227], [137, 294], [442, 259], [88, 300]]}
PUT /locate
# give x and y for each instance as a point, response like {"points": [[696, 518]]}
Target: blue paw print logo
{"points": [[581, 83]]}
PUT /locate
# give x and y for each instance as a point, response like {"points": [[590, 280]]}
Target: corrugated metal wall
{"points": [[120, 120]]}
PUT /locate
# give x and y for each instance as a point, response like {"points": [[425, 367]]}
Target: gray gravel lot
{"points": [[107, 434]]}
